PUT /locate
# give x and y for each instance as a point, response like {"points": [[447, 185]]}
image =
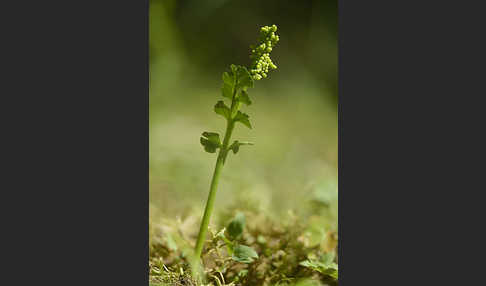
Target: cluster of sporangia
{"points": [[260, 55]]}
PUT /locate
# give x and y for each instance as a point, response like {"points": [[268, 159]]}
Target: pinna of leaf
{"points": [[235, 85]]}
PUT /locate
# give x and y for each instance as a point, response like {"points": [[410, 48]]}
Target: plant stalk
{"points": [[214, 182]]}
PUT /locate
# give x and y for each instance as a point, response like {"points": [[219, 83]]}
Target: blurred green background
{"points": [[293, 165]]}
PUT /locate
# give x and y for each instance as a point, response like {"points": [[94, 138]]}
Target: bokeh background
{"points": [[292, 168]]}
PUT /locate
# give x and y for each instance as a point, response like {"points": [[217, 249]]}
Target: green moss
{"points": [[282, 247]]}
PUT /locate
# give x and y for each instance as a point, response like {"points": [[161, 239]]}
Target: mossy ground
{"points": [[282, 246]]}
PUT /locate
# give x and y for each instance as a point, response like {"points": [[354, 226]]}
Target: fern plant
{"points": [[235, 88]]}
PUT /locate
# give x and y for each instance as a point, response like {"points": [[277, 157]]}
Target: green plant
{"points": [[325, 265], [235, 85], [238, 252], [283, 255]]}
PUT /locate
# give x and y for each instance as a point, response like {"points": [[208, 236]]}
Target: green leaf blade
{"points": [[210, 141], [243, 118], [244, 254], [228, 85], [221, 109], [325, 267], [238, 79], [243, 97], [243, 78], [236, 226]]}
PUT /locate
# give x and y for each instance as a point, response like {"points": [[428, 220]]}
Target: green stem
{"points": [[214, 182]]}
